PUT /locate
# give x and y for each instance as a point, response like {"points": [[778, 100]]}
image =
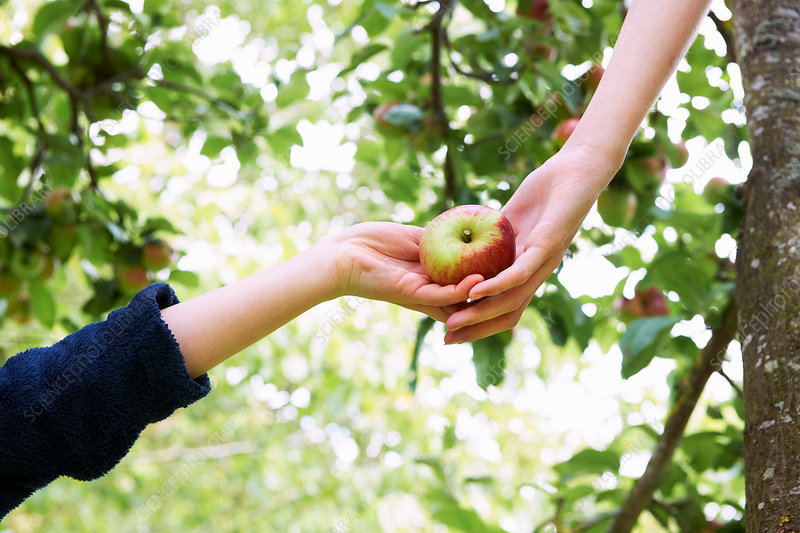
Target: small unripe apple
{"points": [[157, 255], [564, 130], [593, 77], [683, 154], [132, 277], [533, 9], [711, 526], [49, 267], [468, 239], [9, 285], [26, 264], [59, 203], [653, 302], [645, 303], [717, 191], [62, 240], [616, 206], [19, 308]]}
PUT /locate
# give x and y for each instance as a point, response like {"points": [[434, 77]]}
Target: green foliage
{"points": [[85, 71]]}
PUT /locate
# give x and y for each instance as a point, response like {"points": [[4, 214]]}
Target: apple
{"points": [[19, 308], [133, 278], [59, 203], [645, 303], [26, 264], [653, 302], [62, 240], [157, 255], [49, 266], [9, 285], [683, 154], [565, 129], [616, 206], [533, 9], [468, 239], [593, 77], [717, 191], [711, 526]]}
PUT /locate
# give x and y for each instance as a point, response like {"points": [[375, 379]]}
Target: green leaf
{"points": [[425, 326], [407, 115], [43, 307], [154, 224], [117, 233], [641, 340], [489, 357], [446, 509], [293, 91], [52, 16], [214, 145], [3, 309], [185, 278], [364, 54], [588, 461]]}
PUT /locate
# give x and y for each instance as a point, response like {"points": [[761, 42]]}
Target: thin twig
{"points": [[731, 382], [102, 21], [219, 102], [36, 160]]}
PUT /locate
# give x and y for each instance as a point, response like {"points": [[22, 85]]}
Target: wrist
{"points": [[323, 262], [606, 157]]}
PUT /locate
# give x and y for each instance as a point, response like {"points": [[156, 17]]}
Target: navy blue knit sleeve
{"points": [[76, 408]]}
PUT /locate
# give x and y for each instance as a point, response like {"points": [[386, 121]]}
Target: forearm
{"points": [[217, 325], [654, 38]]}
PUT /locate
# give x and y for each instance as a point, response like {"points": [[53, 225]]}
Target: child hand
{"points": [[380, 261]]}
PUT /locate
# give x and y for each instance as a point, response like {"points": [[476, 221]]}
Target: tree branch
{"points": [[642, 493], [219, 102], [439, 114], [726, 34], [33, 56], [102, 21], [36, 161]]}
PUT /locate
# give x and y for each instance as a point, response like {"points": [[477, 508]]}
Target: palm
{"points": [[383, 264], [546, 212]]}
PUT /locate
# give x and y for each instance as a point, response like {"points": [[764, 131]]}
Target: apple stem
{"points": [[466, 236]]}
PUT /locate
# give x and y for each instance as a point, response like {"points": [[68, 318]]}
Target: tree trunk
{"points": [[767, 36]]}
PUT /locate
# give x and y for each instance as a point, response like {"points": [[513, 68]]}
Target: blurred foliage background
{"points": [[196, 143]]}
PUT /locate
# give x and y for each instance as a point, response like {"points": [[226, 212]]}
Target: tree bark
{"points": [[767, 39]]}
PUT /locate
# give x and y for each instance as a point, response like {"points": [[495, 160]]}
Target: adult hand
{"points": [[546, 211], [380, 261]]}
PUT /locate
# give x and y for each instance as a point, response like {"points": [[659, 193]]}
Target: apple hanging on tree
{"points": [[468, 239], [564, 129], [533, 9]]}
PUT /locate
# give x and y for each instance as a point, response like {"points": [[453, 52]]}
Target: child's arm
{"points": [[75, 408], [374, 260]]}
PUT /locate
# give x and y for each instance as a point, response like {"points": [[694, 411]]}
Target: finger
{"points": [[492, 307], [484, 329], [432, 294], [501, 304], [520, 272], [437, 313]]}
